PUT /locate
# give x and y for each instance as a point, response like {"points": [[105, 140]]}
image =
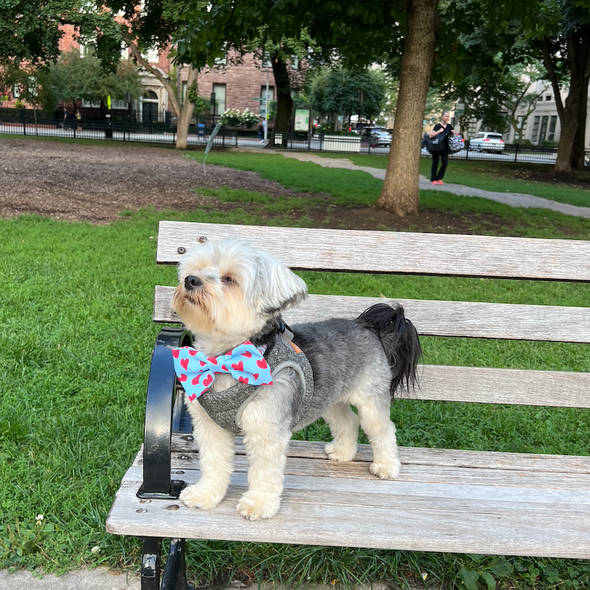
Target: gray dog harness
{"points": [[226, 407]]}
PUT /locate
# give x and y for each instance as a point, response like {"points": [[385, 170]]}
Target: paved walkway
{"points": [[512, 199]]}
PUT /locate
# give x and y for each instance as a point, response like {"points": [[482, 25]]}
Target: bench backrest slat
{"points": [[444, 255], [440, 318], [395, 252]]}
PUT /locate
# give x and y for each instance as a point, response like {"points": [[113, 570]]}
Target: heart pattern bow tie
{"points": [[196, 371]]}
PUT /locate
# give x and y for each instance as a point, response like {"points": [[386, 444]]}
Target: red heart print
{"points": [[176, 353], [262, 364], [247, 354], [184, 364], [212, 360], [208, 380], [243, 379], [255, 375], [192, 397], [247, 342], [195, 381], [203, 363], [182, 378], [224, 368], [192, 351], [269, 383], [238, 366]]}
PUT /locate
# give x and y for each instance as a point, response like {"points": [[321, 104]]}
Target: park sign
{"points": [[301, 120]]}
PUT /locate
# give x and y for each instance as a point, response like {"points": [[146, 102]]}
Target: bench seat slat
{"points": [[395, 252], [439, 318], [425, 509], [423, 456]]}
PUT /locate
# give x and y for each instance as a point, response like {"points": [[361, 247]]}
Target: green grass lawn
{"points": [[75, 342]]}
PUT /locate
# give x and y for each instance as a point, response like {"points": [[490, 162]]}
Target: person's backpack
{"points": [[455, 144]]}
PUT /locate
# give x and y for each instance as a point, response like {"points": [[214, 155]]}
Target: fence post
{"points": [[516, 153], [467, 149], [24, 127]]}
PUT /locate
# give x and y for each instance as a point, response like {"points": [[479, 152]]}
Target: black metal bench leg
{"points": [[151, 563], [174, 577]]}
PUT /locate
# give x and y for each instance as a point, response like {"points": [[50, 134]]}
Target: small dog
{"points": [[230, 296]]}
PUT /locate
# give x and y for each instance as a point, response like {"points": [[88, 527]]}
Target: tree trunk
{"points": [[579, 149], [284, 100], [578, 46], [185, 115], [184, 111], [400, 193]]}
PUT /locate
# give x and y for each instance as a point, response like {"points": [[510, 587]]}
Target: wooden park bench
{"points": [[444, 500]]}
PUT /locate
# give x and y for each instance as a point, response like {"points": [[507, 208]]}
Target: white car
{"points": [[487, 141]]}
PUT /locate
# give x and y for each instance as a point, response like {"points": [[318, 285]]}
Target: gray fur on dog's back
{"points": [[344, 356]]}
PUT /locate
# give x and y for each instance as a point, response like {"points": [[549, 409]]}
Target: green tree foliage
{"points": [[338, 91], [74, 77]]}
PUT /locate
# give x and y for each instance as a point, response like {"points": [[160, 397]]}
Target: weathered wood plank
{"points": [[356, 475], [439, 318], [379, 514], [395, 252], [182, 443]]}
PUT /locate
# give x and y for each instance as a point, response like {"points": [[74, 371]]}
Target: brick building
{"points": [[230, 84]]}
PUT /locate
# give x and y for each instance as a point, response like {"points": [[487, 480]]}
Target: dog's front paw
{"points": [[340, 452], [389, 470], [200, 496], [258, 507]]}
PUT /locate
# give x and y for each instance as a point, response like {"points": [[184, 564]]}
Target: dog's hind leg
{"points": [[344, 425], [216, 454], [374, 418]]}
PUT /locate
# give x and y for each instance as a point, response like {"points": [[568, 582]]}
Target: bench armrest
{"points": [[160, 411]]}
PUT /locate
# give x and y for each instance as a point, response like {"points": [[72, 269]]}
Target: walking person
{"points": [[444, 127]]}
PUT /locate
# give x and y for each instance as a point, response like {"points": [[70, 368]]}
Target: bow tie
{"points": [[196, 371]]}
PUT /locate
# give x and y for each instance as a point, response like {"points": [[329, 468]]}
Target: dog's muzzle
{"points": [[191, 282]]}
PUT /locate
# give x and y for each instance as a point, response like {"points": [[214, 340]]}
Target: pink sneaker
{"points": [[434, 182], [440, 182]]}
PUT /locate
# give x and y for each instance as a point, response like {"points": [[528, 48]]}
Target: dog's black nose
{"points": [[192, 282]]}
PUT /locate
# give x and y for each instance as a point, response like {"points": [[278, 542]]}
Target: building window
{"points": [[221, 61], [522, 120], [552, 125], [87, 104], [294, 62], [266, 61], [15, 91], [543, 133], [218, 98], [152, 55], [535, 133], [548, 98], [119, 104]]}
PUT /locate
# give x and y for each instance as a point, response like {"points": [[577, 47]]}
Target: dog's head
{"points": [[228, 291]]}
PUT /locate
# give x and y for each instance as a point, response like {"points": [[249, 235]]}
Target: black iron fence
{"points": [[26, 122]]}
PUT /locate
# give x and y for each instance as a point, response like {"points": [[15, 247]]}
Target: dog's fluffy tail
{"points": [[399, 339]]}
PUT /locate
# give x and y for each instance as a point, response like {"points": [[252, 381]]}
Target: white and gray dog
{"points": [[230, 296]]}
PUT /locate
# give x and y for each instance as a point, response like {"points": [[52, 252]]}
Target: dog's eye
{"points": [[228, 280]]}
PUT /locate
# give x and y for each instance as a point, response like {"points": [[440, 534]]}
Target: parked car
{"points": [[487, 141]]}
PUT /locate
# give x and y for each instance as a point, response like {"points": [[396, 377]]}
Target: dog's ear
{"points": [[278, 288]]}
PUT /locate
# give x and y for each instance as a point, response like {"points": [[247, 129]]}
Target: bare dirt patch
{"points": [[95, 184]]}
